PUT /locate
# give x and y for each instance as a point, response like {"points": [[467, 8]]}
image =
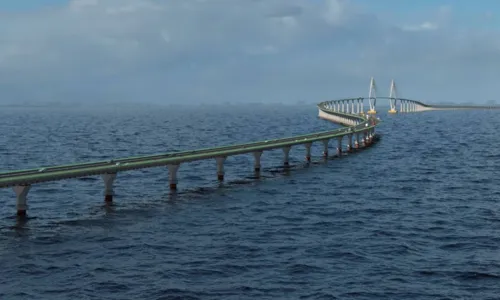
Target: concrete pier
{"points": [[172, 175], [220, 167], [257, 155], [286, 155], [325, 147], [308, 151], [109, 179], [22, 199]]}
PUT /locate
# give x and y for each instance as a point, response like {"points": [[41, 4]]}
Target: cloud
{"points": [[423, 26], [213, 51]]}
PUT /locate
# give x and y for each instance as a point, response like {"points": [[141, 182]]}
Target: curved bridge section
{"points": [[356, 106]]}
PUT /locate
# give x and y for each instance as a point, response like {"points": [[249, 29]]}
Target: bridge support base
{"points": [[369, 139], [339, 146], [349, 143], [108, 179], [325, 148], [308, 151], [257, 156], [372, 112], [286, 155], [220, 167], [393, 111], [172, 176], [21, 199]]}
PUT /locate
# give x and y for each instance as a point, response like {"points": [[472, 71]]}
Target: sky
{"points": [[247, 51]]}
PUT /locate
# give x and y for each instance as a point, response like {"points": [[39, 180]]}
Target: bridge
{"points": [[358, 133], [356, 105]]}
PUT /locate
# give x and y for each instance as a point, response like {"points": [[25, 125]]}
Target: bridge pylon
{"points": [[392, 98], [372, 97]]}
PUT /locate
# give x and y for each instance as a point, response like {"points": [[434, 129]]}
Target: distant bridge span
{"points": [[357, 105]]}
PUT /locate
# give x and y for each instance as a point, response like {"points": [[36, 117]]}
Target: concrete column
{"points": [[349, 142], [308, 151], [220, 167], [172, 176], [356, 141], [21, 199], [286, 155], [108, 179], [339, 145], [325, 147], [256, 156]]}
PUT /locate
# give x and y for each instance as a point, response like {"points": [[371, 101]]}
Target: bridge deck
{"points": [[31, 176]]}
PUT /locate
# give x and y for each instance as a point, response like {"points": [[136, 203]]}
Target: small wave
{"points": [[110, 287], [475, 276], [457, 246], [319, 296], [174, 294], [303, 269]]}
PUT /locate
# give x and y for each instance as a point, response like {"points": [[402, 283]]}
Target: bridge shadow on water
{"points": [[107, 215]]}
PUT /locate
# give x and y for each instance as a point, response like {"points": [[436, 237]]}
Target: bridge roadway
{"points": [[26, 177], [357, 126]]}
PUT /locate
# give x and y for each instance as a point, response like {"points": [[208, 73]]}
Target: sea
{"points": [[415, 216]]}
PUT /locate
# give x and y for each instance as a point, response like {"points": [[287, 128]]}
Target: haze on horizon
{"points": [[216, 51]]}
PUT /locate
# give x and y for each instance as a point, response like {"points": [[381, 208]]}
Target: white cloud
{"points": [[225, 50], [423, 26]]}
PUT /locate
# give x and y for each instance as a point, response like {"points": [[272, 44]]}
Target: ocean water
{"points": [[416, 216]]}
